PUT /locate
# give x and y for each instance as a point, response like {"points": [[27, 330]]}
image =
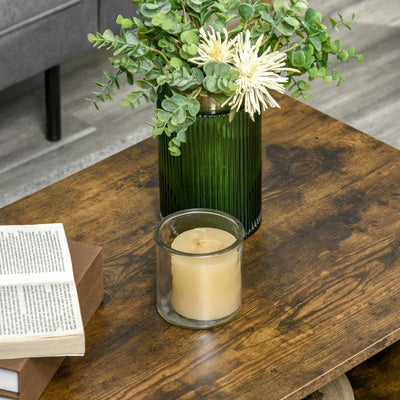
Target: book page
{"points": [[39, 310], [9, 380], [34, 253], [40, 313]]}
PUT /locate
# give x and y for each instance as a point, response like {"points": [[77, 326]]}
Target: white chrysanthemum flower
{"points": [[258, 75], [212, 48]]}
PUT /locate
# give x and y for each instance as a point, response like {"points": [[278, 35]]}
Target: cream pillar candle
{"points": [[208, 287]]}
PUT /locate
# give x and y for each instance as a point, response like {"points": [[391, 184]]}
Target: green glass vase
{"points": [[219, 168]]}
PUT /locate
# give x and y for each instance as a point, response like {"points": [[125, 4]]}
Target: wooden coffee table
{"points": [[321, 275]]}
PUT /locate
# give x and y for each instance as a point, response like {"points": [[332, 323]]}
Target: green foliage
{"points": [[299, 30], [176, 114], [220, 79], [154, 50]]}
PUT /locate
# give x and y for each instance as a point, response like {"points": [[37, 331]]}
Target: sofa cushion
{"points": [[48, 41], [16, 14]]}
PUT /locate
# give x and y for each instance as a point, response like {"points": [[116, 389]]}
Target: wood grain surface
{"points": [[321, 276]]}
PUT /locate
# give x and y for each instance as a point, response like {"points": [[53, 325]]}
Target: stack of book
{"points": [[30, 354]]}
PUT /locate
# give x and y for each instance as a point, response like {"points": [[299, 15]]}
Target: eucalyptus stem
{"points": [[160, 53], [185, 16], [196, 92]]}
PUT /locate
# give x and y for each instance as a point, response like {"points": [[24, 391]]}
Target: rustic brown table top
{"points": [[321, 275]]}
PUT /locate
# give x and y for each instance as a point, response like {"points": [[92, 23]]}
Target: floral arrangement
{"points": [[237, 51]]}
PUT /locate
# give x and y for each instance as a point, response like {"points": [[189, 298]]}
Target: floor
{"points": [[369, 100]]}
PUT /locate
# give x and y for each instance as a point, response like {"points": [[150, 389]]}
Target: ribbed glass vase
{"points": [[219, 168]]}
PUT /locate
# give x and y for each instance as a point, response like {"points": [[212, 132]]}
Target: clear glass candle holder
{"points": [[199, 268]]}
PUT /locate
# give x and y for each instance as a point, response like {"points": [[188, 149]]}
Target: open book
{"points": [[39, 308]]}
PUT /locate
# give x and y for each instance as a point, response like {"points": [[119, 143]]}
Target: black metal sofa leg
{"points": [[53, 103]]}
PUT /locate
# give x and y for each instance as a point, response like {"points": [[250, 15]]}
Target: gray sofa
{"points": [[37, 35]]}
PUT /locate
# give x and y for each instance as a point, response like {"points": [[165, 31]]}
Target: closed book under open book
{"points": [[27, 378]]}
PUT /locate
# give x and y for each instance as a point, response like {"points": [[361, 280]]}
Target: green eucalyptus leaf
{"points": [[193, 107], [132, 96], [157, 132], [143, 84], [223, 17], [210, 84], [335, 75], [168, 105], [197, 5], [343, 55], [125, 103], [333, 22], [178, 117], [162, 20], [321, 72], [309, 62], [131, 39], [299, 6], [174, 150], [153, 76], [218, 25], [209, 67], [232, 4], [298, 58], [190, 49], [246, 11], [303, 85], [338, 44], [296, 94], [308, 50], [181, 136], [279, 8], [138, 22], [151, 9], [110, 76], [222, 69], [175, 63], [167, 45], [144, 66], [163, 115], [197, 75], [266, 16], [313, 72], [316, 42], [221, 97], [189, 37], [161, 80], [310, 15], [108, 35], [153, 95], [129, 78], [292, 21], [132, 99], [285, 28], [125, 23], [92, 38]]}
